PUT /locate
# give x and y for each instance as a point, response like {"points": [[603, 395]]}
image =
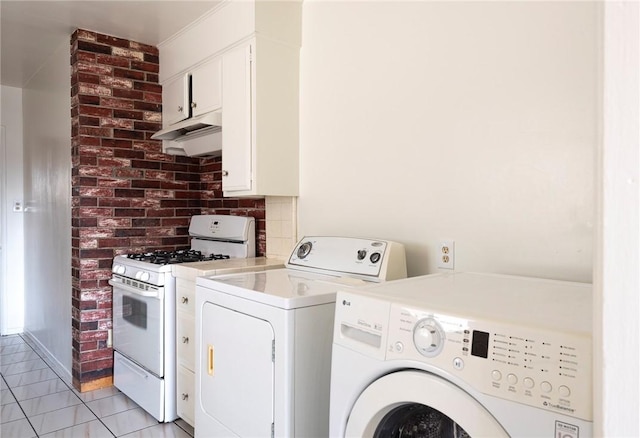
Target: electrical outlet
{"points": [[446, 254]]}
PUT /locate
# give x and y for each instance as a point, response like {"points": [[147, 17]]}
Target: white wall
{"points": [[47, 186], [11, 223], [472, 121]]}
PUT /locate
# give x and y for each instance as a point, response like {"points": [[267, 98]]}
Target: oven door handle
{"points": [[133, 290]]}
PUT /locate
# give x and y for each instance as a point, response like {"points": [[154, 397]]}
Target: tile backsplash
{"points": [[281, 218]]}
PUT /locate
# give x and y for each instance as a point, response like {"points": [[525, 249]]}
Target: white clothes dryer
{"points": [[462, 354], [264, 338]]}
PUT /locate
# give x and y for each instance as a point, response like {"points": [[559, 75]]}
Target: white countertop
{"points": [[190, 271]]}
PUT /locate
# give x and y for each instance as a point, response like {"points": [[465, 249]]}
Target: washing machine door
{"points": [[419, 405]]}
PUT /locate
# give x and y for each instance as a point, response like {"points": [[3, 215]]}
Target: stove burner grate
{"points": [[173, 257]]}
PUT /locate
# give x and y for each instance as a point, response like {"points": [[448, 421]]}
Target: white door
{"points": [[206, 87], [237, 372], [175, 100], [415, 403], [237, 119]]}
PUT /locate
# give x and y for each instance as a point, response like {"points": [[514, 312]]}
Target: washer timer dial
{"points": [[428, 337]]}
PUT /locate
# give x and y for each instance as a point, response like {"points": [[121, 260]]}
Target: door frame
{"points": [[3, 227]]}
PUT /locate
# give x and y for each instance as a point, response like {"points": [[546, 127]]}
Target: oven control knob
{"points": [[142, 276], [304, 250], [375, 257], [362, 253], [118, 269], [428, 337]]}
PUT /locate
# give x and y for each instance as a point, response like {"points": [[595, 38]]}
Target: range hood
{"points": [[195, 136], [191, 125]]}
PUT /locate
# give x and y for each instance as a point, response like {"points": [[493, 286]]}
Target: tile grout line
{"points": [[44, 358], [70, 388], [65, 384], [18, 403]]}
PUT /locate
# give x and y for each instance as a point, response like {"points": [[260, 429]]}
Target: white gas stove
{"points": [[144, 308]]}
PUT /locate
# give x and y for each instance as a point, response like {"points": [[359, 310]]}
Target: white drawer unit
{"points": [[186, 275]]}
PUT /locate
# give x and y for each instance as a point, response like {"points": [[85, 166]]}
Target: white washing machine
{"points": [[462, 355], [264, 338]]}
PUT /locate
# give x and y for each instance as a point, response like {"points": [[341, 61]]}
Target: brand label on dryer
{"points": [[566, 430]]}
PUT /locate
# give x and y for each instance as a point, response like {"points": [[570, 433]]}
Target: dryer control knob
{"points": [[428, 337], [304, 250]]}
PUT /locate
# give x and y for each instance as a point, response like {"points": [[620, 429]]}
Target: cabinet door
{"points": [[206, 84], [175, 100], [186, 296], [185, 339], [185, 404], [237, 119]]}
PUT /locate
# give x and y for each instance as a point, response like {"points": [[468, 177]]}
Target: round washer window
{"points": [[414, 420]]}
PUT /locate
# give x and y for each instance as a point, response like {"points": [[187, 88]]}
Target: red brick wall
{"points": [[127, 196]]}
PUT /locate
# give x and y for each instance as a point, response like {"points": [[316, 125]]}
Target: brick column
{"points": [[127, 196]]}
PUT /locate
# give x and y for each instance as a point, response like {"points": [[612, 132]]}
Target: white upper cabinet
{"points": [[193, 93], [243, 57], [260, 119], [175, 100], [206, 87]]}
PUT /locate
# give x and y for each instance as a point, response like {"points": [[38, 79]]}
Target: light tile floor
{"points": [[38, 401]]}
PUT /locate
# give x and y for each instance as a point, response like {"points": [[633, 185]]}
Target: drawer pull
{"points": [[185, 339], [210, 360], [185, 300], [185, 396]]}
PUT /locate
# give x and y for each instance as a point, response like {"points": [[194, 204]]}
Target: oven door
{"points": [[138, 325]]}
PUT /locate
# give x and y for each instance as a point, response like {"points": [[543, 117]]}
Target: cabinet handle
{"points": [[185, 300], [179, 109], [185, 339], [225, 173], [210, 361], [194, 104], [185, 396]]}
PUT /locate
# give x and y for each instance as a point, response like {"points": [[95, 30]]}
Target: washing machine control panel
{"points": [[541, 368]]}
